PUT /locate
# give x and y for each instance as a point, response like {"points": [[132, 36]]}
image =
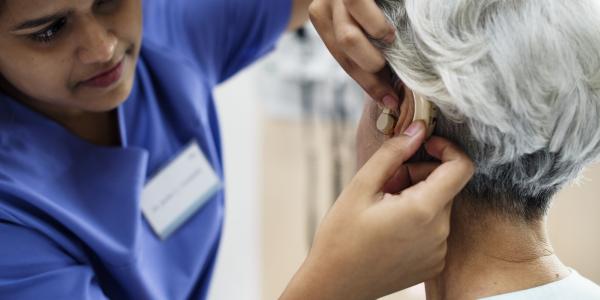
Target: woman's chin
{"points": [[102, 102]]}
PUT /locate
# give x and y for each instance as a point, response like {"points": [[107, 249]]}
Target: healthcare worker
{"points": [[110, 157]]}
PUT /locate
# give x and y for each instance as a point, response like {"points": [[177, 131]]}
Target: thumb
{"points": [[388, 159]]}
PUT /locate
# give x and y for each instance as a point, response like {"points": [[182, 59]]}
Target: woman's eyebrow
{"points": [[40, 21]]}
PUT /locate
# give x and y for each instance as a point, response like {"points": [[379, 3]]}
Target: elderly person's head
{"points": [[518, 85]]}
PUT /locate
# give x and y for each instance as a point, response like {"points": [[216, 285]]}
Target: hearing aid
{"points": [[386, 122], [423, 110]]}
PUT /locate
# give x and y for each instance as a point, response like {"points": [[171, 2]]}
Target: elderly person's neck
{"points": [[490, 255]]}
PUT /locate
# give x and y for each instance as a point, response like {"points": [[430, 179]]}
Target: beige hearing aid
{"points": [[426, 111], [423, 110], [386, 122]]}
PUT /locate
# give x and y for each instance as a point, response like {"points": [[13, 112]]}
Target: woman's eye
{"points": [[49, 33], [105, 4]]}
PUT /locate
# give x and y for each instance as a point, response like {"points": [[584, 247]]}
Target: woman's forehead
{"points": [[39, 7], [18, 11]]}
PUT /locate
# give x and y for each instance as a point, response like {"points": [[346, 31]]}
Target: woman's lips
{"points": [[106, 78]]}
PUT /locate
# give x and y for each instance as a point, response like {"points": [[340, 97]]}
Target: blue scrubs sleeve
{"points": [[219, 36], [34, 267]]}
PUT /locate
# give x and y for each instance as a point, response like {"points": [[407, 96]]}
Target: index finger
{"points": [[445, 182], [376, 85], [371, 19], [386, 161]]}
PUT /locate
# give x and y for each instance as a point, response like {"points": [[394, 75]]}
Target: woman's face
{"points": [[69, 56]]}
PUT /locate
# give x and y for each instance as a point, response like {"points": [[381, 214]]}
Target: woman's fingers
{"points": [[371, 19], [456, 169], [420, 171], [361, 60], [377, 85], [355, 43], [446, 181], [382, 166], [407, 175]]}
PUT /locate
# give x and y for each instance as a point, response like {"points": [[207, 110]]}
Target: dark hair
{"points": [[496, 192]]}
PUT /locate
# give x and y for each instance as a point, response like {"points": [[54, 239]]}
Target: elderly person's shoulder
{"points": [[574, 286]]}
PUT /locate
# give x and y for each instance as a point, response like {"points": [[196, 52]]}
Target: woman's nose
{"points": [[97, 43]]}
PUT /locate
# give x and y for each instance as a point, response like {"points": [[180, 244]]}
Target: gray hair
{"points": [[518, 85]]}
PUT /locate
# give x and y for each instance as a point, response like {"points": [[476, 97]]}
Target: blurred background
{"points": [[288, 126]]}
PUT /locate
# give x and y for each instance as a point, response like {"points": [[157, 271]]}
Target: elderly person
{"points": [[110, 163], [518, 87]]}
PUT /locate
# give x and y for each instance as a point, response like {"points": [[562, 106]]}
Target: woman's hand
{"points": [[344, 25], [372, 244]]}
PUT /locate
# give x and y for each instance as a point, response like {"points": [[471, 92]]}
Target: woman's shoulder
{"points": [[218, 37]]}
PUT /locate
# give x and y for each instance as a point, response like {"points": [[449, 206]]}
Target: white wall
{"points": [[238, 274]]}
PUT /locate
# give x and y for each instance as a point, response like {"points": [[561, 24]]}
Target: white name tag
{"points": [[178, 191]]}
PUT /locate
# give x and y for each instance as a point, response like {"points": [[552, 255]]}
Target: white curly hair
{"points": [[518, 85]]}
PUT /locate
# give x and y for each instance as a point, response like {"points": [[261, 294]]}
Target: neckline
{"points": [[21, 113], [573, 275]]}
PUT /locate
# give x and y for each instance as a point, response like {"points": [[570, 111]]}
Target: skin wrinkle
{"points": [[490, 254], [532, 258], [478, 230]]}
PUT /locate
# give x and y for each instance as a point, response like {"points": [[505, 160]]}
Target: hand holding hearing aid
{"points": [[422, 109], [372, 243]]}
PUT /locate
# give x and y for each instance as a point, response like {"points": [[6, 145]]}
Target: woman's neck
{"points": [[97, 128], [489, 255], [100, 128]]}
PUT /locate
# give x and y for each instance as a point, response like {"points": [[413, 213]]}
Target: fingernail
{"points": [[390, 37], [390, 102], [413, 129]]}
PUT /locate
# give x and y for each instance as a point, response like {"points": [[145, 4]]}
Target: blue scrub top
{"points": [[71, 226]]}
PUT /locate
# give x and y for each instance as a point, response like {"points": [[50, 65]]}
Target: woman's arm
{"points": [[219, 37], [299, 14], [32, 266], [372, 244]]}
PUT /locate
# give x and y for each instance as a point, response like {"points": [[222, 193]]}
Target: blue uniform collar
{"points": [[80, 184]]}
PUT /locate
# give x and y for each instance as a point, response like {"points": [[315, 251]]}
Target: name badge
{"points": [[178, 191]]}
